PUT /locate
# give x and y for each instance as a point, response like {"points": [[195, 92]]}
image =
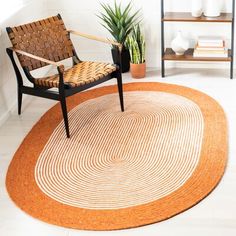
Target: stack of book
{"points": [[211, 47]]}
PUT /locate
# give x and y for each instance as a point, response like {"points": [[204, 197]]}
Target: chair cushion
{"points": [[80, 74]]}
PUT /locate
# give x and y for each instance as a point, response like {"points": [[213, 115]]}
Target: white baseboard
{"points": [[198, 65], [12, 108], [190, 64]]}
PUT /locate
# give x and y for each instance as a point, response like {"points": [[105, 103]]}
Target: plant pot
{"points": [[197, 8], [138, 71], [212, 8], [125, 58]]}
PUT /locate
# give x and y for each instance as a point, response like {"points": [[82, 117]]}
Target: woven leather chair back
{"points": [[46, 38]]}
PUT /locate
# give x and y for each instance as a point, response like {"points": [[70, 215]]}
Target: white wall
{"points": [[12, 13], [81, 15]]}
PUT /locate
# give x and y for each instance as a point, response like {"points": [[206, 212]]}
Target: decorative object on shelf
{"points": [[136, 44], [119, 22], [180, 44], [197, 8], [212, 8]]}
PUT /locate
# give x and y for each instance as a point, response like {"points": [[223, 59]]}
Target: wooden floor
{"points": [[216, 215]]}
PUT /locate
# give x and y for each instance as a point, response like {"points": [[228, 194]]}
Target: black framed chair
{"points": [[47, 42]]}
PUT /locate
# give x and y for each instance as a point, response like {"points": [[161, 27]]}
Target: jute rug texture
{"points": [[160, 157]]}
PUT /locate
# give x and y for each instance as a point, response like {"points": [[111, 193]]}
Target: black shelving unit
{"points": [[169, 55]]}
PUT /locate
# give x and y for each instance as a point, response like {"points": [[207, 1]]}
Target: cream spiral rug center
{"points": [[118, 160]]}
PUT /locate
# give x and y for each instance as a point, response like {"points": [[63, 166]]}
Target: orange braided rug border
{"points": [[23, 190]]}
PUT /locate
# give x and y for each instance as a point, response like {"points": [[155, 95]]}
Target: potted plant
{"points": [[119, 22], [135, 42]]}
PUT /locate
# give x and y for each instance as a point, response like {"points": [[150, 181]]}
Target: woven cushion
{"points": [[80, 74]]}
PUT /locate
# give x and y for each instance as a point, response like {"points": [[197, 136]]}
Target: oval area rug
{"points": [[163, 155]]}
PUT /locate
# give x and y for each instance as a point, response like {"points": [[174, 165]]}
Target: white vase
{"points": [[180, 44], [212, 8], [197, 8]]}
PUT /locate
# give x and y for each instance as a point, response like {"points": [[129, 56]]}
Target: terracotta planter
{"points": [[138, 71]]}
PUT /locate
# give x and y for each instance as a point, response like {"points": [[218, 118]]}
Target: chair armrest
{"points": [[92, 37], [38, 58]]}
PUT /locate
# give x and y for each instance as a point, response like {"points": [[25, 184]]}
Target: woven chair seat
{"points": [[79, 75]]}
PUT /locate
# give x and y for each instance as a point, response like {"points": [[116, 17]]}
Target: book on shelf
{"points": [[211, 46], [210, 52], [210, 49], [223, 54], [211, 41]]}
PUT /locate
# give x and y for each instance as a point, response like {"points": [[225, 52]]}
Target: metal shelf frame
{"points": [[187, 18]]}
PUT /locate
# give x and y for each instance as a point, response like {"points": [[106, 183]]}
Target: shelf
{"points": [[188, 56], [187, 17]]}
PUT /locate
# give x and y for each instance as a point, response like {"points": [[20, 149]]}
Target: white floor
{"points": [[215, 215]]}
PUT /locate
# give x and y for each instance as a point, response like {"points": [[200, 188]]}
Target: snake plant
{"points": [[135, 42], [118, 21]]}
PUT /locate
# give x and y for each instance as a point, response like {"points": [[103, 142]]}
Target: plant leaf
{"points": [[117, 21]]}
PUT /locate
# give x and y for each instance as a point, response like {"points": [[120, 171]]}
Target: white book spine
{"points": [[223, 55], [221, 44]]}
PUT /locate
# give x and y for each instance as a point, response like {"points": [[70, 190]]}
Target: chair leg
{"points": [[120, 88], [65, 115], [19, 100]]}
